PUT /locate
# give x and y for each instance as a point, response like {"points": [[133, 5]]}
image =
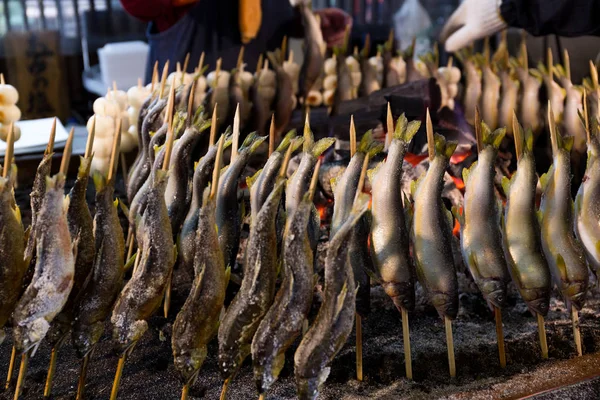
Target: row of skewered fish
{"points": [[76, 285]]}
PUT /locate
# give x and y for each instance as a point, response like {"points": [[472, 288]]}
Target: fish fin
{"points": [[459, 217], [506, 185], [360, 206], [286, 141], [472, 261], [17, 212], [116, 203], [449, 218], [333, 182], [414, 184], [227, 275], [129, 262], [561, 265], [366, 141], [443, 147], [340, 301], [252, 179], [227, 138], [490, 138], [539, 215], [411, 130], [372, 173], [196, 164], [450, 148], [309, 139], [99, 180], [321, 146], [499, 210], [124, 208], [84, 166], [400, 129], [568, 143], [296, 143], [373, 275], [545, 178], [466, 172]]}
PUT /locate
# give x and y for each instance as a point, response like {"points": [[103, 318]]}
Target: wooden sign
{"points": [[36, 69]]}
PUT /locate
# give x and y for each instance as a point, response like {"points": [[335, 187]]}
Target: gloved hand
{"points": [[474, 19]]}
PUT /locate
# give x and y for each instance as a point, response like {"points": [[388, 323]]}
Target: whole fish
{"points": [[80, 225], [177, 194], [563, 251], [138, 205], [283, 322], [106, 280], [200, 181], [490, 96], [335, 320], [261, 107], [481, 235], [473, 87], [143, 294], [256, 293], [12, 246], [52, 281], [369, 82], [523, 247], [389, 235], [197, 322], [509, 99], [283, 105], [431, 233], [38, 191], [587, 208], [148, 103], [152, 122], [344, 88], [237, 96], [229, 219], [314, 47]]}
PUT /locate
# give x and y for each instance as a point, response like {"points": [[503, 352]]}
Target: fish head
{"points": [[29, 335], [576, 293], [308, 388], [189, 361], [445, 303], [538, 301], [494, 292], [402, 294]]}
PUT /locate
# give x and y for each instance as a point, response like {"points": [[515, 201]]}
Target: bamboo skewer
{"points": [[163, 80], [390, 127], [10, 148], [542, 335], [576, 330], [90, 140], [500, 337], [352, 136], [117, 381], [83, 375], [50, 146], [240, 59], [236, 133], [114, 155], [200, 62], [66, 157], [186, 62], [11, 367], [450, 344], [224, 390], [22, 375], [213, 126], [2, 81], [185, 391], [154, 78], [406, 340], [359, 361], [272, 135], [51, 370]]}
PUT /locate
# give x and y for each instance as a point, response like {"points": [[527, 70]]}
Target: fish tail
{"points": [[286, 141]]}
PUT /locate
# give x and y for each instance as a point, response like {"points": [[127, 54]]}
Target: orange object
{"points": [[250, 19]]}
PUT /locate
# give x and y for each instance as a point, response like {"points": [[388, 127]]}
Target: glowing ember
{"points": [[456, 229], [458, 158], [460, 184], [414, 159]]}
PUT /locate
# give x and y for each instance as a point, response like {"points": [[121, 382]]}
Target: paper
{"points": [[35, 134]]}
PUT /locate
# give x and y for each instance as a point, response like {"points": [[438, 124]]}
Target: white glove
{"points": [[474, 19]]}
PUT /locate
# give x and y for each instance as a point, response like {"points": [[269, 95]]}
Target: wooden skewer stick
{"points": [[118, 375], [51, 370], [213, 126], [286, 160], [114, 155], [517, 136], [390, 126], [217, 168], [2, 81], [259, 63], [163, 80], [186, 62], [50, 146], [240, 59], [500, 336], [10, 148], [359, 358], [552, 126], [178, 68], [236, 133], [154, 77], [272, 135], [314, 180], [140, 83], [90, 140], [576, 330], [83, 376], [406, 339], [224, 390], [185, 391], [542, 335], [430, 137], [11, 367], [284, 46], [66, 157], [137, 262], [567, 61], [291, 56], [586, 118], [130, 242], [450, 344], [22, 375], [352, 136], [478, 135], [201, 62], [261, 396]]}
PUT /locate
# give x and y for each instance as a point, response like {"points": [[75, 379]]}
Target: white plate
{"points": [[35, 134]]}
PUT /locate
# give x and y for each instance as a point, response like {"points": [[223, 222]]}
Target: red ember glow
{"points": [[460, 184], [458, 158], [414, 159], [456, 229]]}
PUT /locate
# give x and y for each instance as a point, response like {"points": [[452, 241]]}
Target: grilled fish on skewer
{"points": [[523, 247], [177, 195], [54, 269], [255, 296], [283, 106], [197, 322], [314, 48], [389, 236], [473, 88], [228, 206], [12, 245], [106, 280], [369, 83], [335, 320], [283, 322], [531, 82], [200, 181], [143, 294], [481, 236], [490, 96], [587, 206], [563, 251], [431, 233], [80, 225]]}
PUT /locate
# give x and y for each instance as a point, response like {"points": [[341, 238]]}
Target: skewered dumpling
{"points": [[9, 112]]}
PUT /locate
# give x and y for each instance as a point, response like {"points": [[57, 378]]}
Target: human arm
{"points": [[475, 19]]}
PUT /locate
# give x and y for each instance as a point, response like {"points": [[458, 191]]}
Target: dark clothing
{"points": [[212, 26], [161, 12], [559, 17]]}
